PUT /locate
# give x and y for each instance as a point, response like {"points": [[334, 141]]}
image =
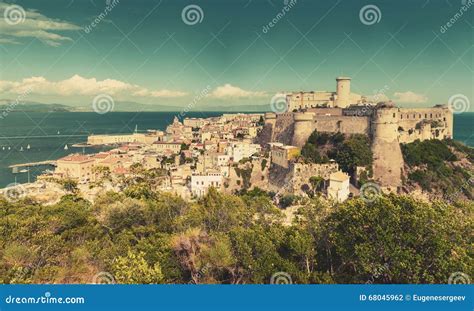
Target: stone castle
{"points": [[348, 113]]}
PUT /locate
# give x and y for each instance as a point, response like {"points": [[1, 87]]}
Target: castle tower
{"points": [[343, 92], [269, 127], [448, 116], [388, 158], [303, 123]]}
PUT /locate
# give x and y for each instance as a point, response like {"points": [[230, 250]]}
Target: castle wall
{"points": [[284, 128], [342, 124], [424, 123]]}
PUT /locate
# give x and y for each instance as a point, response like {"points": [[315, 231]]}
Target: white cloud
{"points": [[379, 97], [410, 97], [34, 25], [228, 91], [80, 86]]}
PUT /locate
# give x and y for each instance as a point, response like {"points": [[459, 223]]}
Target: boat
{"points": [[21, 149], [23, 171], [3, 148], [66, 147], [9, 148], [28, 147], [59, 132]]}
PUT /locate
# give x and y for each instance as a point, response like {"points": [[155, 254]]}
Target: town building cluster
{"points": [[196, 153], [235, 152]]}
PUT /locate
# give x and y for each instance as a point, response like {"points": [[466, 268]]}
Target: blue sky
{"points": [[143, 51]]}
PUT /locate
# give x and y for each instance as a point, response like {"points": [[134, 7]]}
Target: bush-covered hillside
{"points": [[159, 238], [440, 167]]}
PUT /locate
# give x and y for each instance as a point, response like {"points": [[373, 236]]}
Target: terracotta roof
{"points": [[101, 155], [76, 158], [120, 170]]}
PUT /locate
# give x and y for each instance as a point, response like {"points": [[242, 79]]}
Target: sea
{"points": [[27, 137]]}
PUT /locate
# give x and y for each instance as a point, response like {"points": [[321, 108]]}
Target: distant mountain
{"points": [[7, 105], [122, 106]]}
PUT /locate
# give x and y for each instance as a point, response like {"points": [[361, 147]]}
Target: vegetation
{"points": [[160, 238], [432, 166], [349, 152]]}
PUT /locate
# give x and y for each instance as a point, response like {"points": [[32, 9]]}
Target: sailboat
{"points": [[66, 147]]}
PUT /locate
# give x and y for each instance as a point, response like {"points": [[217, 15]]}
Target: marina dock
{"points": [[41, 163]]}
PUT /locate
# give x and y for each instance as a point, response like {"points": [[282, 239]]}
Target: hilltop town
{"points": [[297, 151]]}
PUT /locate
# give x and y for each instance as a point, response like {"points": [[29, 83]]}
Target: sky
{"points": [[216, 52]]}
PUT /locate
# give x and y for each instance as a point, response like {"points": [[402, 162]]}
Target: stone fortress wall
{"points": [[387, 125]]}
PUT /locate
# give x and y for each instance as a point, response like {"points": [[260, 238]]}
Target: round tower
{"points": [[270, 117], [343, 92], [388, 158], [303, 127]]}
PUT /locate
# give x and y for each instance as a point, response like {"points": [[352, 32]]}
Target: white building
{"points": [[240, 150], [200, 184], [338, 186]]}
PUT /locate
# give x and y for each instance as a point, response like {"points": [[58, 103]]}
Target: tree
{"points": [[133, 269], [70, 185], [316, 182], [398, 240]]}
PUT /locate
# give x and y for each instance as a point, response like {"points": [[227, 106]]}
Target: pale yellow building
{"points": [[75, 166], [282, 154]]}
